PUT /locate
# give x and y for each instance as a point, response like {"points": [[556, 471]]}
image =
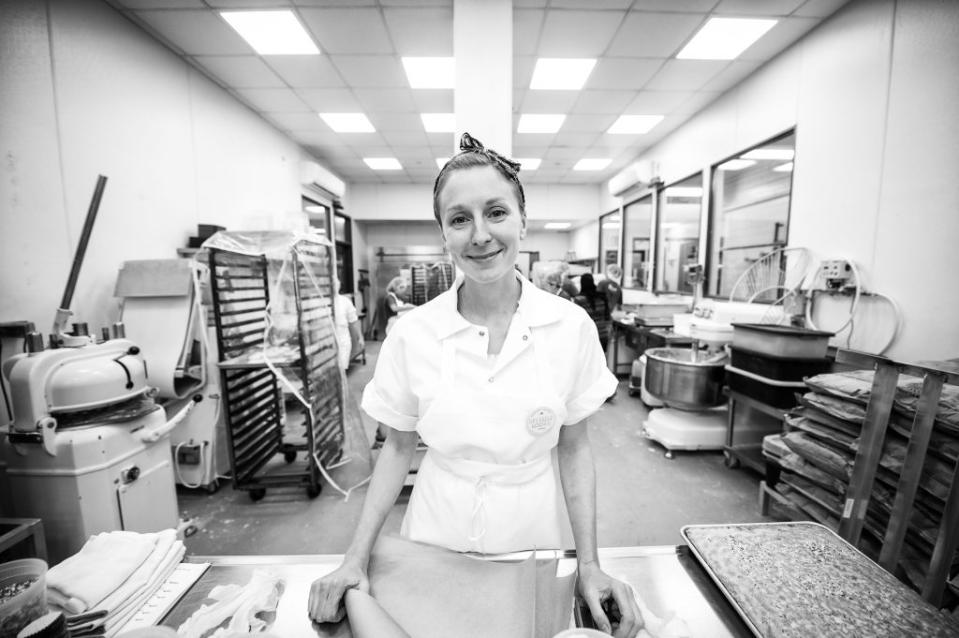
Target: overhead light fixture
{"points": [[611, 225], [383, 163], [781, 154], [539, 123], [684, 191], [557, 225], [561, 74], [735, 165], [348, 122], [441, 162], [439, 122], [527, 163], [784, 168], [634, 124], [272, 32], [430, 73], [725, 38], [592, 164]]}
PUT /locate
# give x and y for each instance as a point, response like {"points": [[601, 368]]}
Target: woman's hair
{"points": [[395, 283], [613, 270], [473, 154], [587, 287]]}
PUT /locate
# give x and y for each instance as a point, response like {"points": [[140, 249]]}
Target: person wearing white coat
{"points": [[498, 378]]}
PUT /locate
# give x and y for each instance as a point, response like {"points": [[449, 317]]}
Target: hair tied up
{"points": [[468, 144]]}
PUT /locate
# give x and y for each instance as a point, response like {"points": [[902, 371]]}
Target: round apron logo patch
{"points": [[541, 421]]}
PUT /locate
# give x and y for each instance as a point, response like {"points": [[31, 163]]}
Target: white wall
{"points": [[584, 240], [86, 92], [870, 93]]}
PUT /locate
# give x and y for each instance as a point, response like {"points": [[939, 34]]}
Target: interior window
{"points": [[637, 225], [677, 236], [610, 233], [749, 210]]}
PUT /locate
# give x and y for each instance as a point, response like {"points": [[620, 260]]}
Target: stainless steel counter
{"points": [[668, 579]]}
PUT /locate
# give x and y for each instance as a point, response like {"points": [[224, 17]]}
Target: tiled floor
{"points": [[643, 498]]}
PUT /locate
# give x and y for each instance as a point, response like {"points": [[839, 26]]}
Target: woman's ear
{"points": [[522, 230]]}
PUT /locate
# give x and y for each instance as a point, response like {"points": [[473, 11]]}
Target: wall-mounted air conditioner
{"points": [[312, 174], [636, 176]]}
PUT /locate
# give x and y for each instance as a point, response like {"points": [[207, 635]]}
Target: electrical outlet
{"points": [[835, 271]]}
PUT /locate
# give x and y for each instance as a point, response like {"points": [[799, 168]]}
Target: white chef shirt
{"points": [[407, 374], [344, 313]]}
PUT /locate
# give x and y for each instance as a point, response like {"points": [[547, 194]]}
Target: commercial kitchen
{"points": [[205, 227]]}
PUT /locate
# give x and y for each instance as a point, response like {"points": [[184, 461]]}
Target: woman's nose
{"points": [[481, 234]]}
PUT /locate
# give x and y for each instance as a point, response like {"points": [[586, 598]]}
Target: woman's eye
{"points": [[497, 213], [459, 220]]}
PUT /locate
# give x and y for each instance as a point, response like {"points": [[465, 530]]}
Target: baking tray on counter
{"points": [[800, 579]]}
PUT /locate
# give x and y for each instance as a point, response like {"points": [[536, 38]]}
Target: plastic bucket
{"points": [[23, 594]]}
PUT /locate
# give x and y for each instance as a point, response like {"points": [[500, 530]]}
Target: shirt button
{"points": [[490, 379], [482, 334], [525, 337]]}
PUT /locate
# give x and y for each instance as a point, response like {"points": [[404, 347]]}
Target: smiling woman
{"points": [[476, 373]]}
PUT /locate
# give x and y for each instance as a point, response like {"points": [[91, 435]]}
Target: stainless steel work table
{"points": [[667, 578]]}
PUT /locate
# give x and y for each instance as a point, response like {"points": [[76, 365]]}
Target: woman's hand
{"points": [[327, 593], [611, 602]]}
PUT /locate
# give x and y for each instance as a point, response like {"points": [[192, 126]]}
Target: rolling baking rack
{"points": [[251, 367]]}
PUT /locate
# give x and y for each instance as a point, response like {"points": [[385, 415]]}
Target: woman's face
{"points": [[482, 224]]}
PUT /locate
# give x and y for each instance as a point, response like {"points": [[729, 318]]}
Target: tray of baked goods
{"points": [[795, 580]]}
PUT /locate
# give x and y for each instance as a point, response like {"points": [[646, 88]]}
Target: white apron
{"points": [[467, 503]]}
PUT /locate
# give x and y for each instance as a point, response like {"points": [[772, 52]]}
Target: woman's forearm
{"points": [[389, 475], [578, 477]]}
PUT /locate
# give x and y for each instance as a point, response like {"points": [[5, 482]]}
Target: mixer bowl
{"points": [[680, 380]]}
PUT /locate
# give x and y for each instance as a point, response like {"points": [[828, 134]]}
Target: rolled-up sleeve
{"points": [[387, 397], [593, 383]]}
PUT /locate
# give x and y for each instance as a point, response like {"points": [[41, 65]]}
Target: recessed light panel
{"points": [[528, 163], [735, 165], [634, 124], [272, 32], [539, 123], [780, 154], [383, 163], [561, 74], [439, 122], [348, 122], [430, 73], [557, 225], [592, 164], [725, 38]]}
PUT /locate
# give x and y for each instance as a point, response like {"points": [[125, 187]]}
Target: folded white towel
{"points": [[117, 619], [104, 563], [165, 542]]}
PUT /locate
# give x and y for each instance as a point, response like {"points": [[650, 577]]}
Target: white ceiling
{"points": [[359, 69]]}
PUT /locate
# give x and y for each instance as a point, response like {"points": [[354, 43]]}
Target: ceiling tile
{"points": [[733, 74], [400, 123], [161, 4], [697, 102], [654, 35], [244, 71], [578, 34], [421, 32], [247, 4], [375, 71], [386, 100], [353, 30], [605, 102], [529, 150], [523, 71], [786, 31], [330, 100], [309, 121], [408, 137], [433, 100], [819, 8], [325, 138], [548, 101], [609, 145], [532, 139], [590, 4], [196, 32], [679, 6], [657, 102], [526, 27], [362, 142], [753, 8], [416, 3], [686, 75], [573, 139], [442, 140], [305, 70], [623, 73], [530, 3], [275, 100], [579, 123]]}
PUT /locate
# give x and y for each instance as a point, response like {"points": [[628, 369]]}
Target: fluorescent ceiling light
{"points": [[557, 225], [725, 38], [592, 164], [634, 124], [272, 32], [735, 165], [539, 123], [784, 168], [430, 73], [528, 163], [439, 122], [441, 162], [383, 163], [611, 225], [684, 191], [348, 122], [781, 154], [561, 74]]}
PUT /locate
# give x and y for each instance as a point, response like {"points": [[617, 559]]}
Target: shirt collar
{"points": [[534, 307]]}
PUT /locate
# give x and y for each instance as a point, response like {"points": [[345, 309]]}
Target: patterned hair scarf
{"points": [[509, 168]]}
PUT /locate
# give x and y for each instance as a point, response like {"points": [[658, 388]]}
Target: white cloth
{"points": [[241, 604], [344, 313], [488, 483], [104, 562]]}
